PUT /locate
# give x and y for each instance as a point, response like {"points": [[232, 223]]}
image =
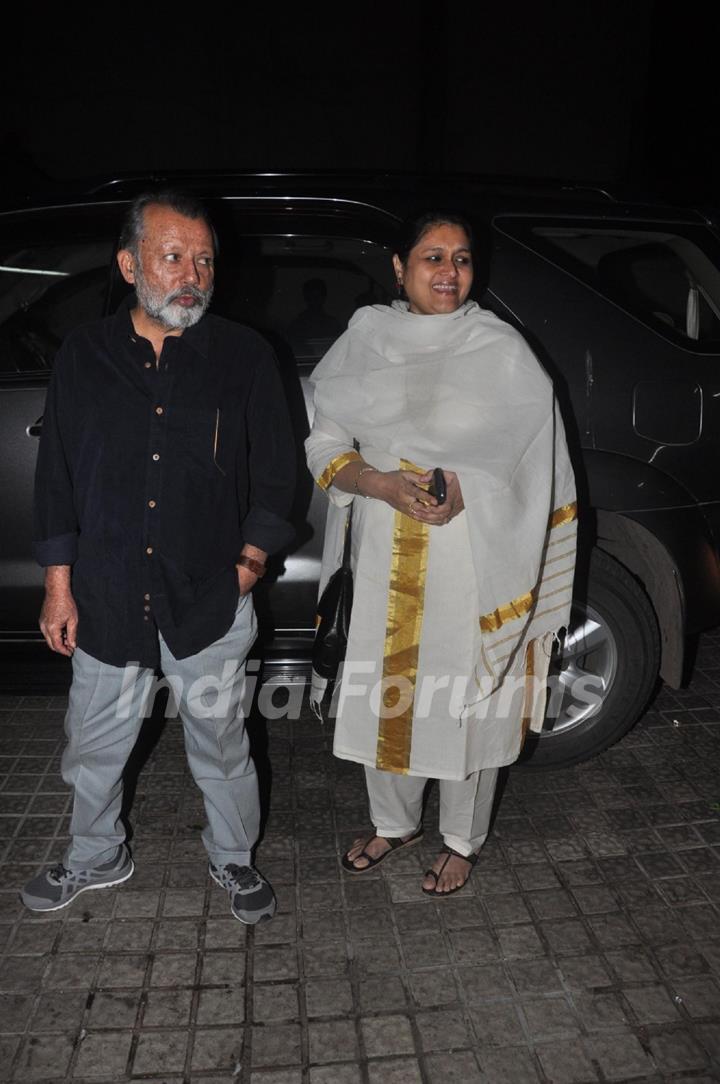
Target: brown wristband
{"points": [[255, 566]]}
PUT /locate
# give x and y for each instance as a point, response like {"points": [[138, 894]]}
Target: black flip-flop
{"points": [[470, 858], [396, 844]]}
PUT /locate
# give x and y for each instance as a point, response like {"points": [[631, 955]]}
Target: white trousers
{"points": [[465, 806]]}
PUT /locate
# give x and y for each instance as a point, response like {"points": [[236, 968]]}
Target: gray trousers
{"points": [[465, 806], [106, 709]]}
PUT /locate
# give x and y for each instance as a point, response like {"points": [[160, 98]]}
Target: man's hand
{"points": [[59, 616]]}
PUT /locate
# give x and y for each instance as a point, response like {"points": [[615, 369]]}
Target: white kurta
{"points": [[435, 679]]}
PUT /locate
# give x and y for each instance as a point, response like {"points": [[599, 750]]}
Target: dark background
{"points": [[618, 94]]}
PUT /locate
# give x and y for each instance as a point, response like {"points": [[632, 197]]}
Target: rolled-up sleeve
{"points": [[55, 520], [272, 463], [329, 448]]}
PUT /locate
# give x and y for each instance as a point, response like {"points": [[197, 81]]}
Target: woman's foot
{"points": [[367, 853], [448, 873]]}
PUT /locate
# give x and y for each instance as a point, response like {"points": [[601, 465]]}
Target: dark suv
{"points": [[620, 301]]}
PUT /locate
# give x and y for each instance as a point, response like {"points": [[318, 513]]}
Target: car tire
{"points": [[611, 652]]}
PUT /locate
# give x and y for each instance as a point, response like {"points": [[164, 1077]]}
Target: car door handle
{"points": [[35, 430]]}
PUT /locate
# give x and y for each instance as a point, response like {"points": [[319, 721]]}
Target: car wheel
{"points": [[605, 670]]}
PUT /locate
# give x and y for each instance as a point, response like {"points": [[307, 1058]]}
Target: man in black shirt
{"points": [[165, 477]]}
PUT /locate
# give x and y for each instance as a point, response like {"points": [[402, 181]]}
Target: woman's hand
{"points": [[403, 490]]}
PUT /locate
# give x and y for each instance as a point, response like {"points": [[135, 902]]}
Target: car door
{"points": [[53, 276]]}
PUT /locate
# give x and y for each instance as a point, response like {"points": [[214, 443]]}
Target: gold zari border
{"points": [[335, 465], [517, 608], [406, 602], [522, 605], [566, 513]]}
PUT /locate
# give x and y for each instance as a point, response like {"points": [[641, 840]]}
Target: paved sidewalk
{"points": [[586, 947]]}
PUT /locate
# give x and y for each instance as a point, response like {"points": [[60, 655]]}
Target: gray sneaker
{"points": [[251, 897], [57, 887]]}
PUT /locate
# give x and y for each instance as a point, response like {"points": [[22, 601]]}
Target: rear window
{"points": [[669, 280]]}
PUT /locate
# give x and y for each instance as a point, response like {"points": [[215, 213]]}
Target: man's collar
{"points": [[197, 337]]}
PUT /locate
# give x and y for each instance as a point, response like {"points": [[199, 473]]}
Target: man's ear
{"points": [[126, 263]]}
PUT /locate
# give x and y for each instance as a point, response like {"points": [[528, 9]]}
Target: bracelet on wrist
{"points": [[359, 474], [249, 562]]}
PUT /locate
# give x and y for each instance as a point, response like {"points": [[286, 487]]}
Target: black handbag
{"points": [[333, 611]]}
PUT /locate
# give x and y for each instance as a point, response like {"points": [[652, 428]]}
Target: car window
{"points": [[301, 290], [663, 277], [53, 277]]}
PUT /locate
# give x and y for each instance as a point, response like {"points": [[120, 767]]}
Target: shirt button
{"points": [[155, 456], [148, 365], [149, 550], [146, 609], [146, 618], [146, 597], [151, 504], [158, 410]]}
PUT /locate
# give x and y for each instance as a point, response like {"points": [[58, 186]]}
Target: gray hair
{"points": [[182, 203]]}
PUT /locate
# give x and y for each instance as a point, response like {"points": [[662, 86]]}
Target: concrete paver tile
{"points": [[174, 969], [218, 1048], [103, 1055], [509, 1066], [44, 1057], [534, 976], [519, 943], [394, 1071], [180, 933], [566, 1062], [620, 1055], [436, 986], [324, 958], [328, 997], [633, 964], [700, 996], [113, 1009], [225, 933], [383, 993], [384, 1036], [276, 1044], [676, 1051], [273, 1001], [167, 1008], [458, 1067], [333, 1074], [334, 1040], [444, 1030], [160, 1052], [276, 962], [481, 983], [496, 1024], [22, 974]]}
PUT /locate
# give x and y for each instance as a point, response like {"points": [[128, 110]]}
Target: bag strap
{"points": [[348, 526]]}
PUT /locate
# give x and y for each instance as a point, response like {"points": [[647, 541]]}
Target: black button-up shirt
{"points": [[150, 478]]}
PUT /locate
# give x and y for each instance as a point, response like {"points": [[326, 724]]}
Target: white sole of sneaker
{"points": [[85, 888]]}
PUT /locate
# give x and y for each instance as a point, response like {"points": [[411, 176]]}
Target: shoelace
{"points": [[58, 873], [244, 876]]}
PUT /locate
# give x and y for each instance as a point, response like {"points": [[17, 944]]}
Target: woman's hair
{"points": [[414, 229]]}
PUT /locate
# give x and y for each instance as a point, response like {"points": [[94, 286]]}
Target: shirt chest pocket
{"points": [[201, 433]]}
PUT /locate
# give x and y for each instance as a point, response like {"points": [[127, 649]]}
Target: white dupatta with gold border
{"points": [[462, 391]]}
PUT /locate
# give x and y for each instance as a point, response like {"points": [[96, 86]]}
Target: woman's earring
{"points": [[399, 284]]}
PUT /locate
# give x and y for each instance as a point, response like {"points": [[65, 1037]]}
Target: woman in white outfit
{"points": [[456, 604]]}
